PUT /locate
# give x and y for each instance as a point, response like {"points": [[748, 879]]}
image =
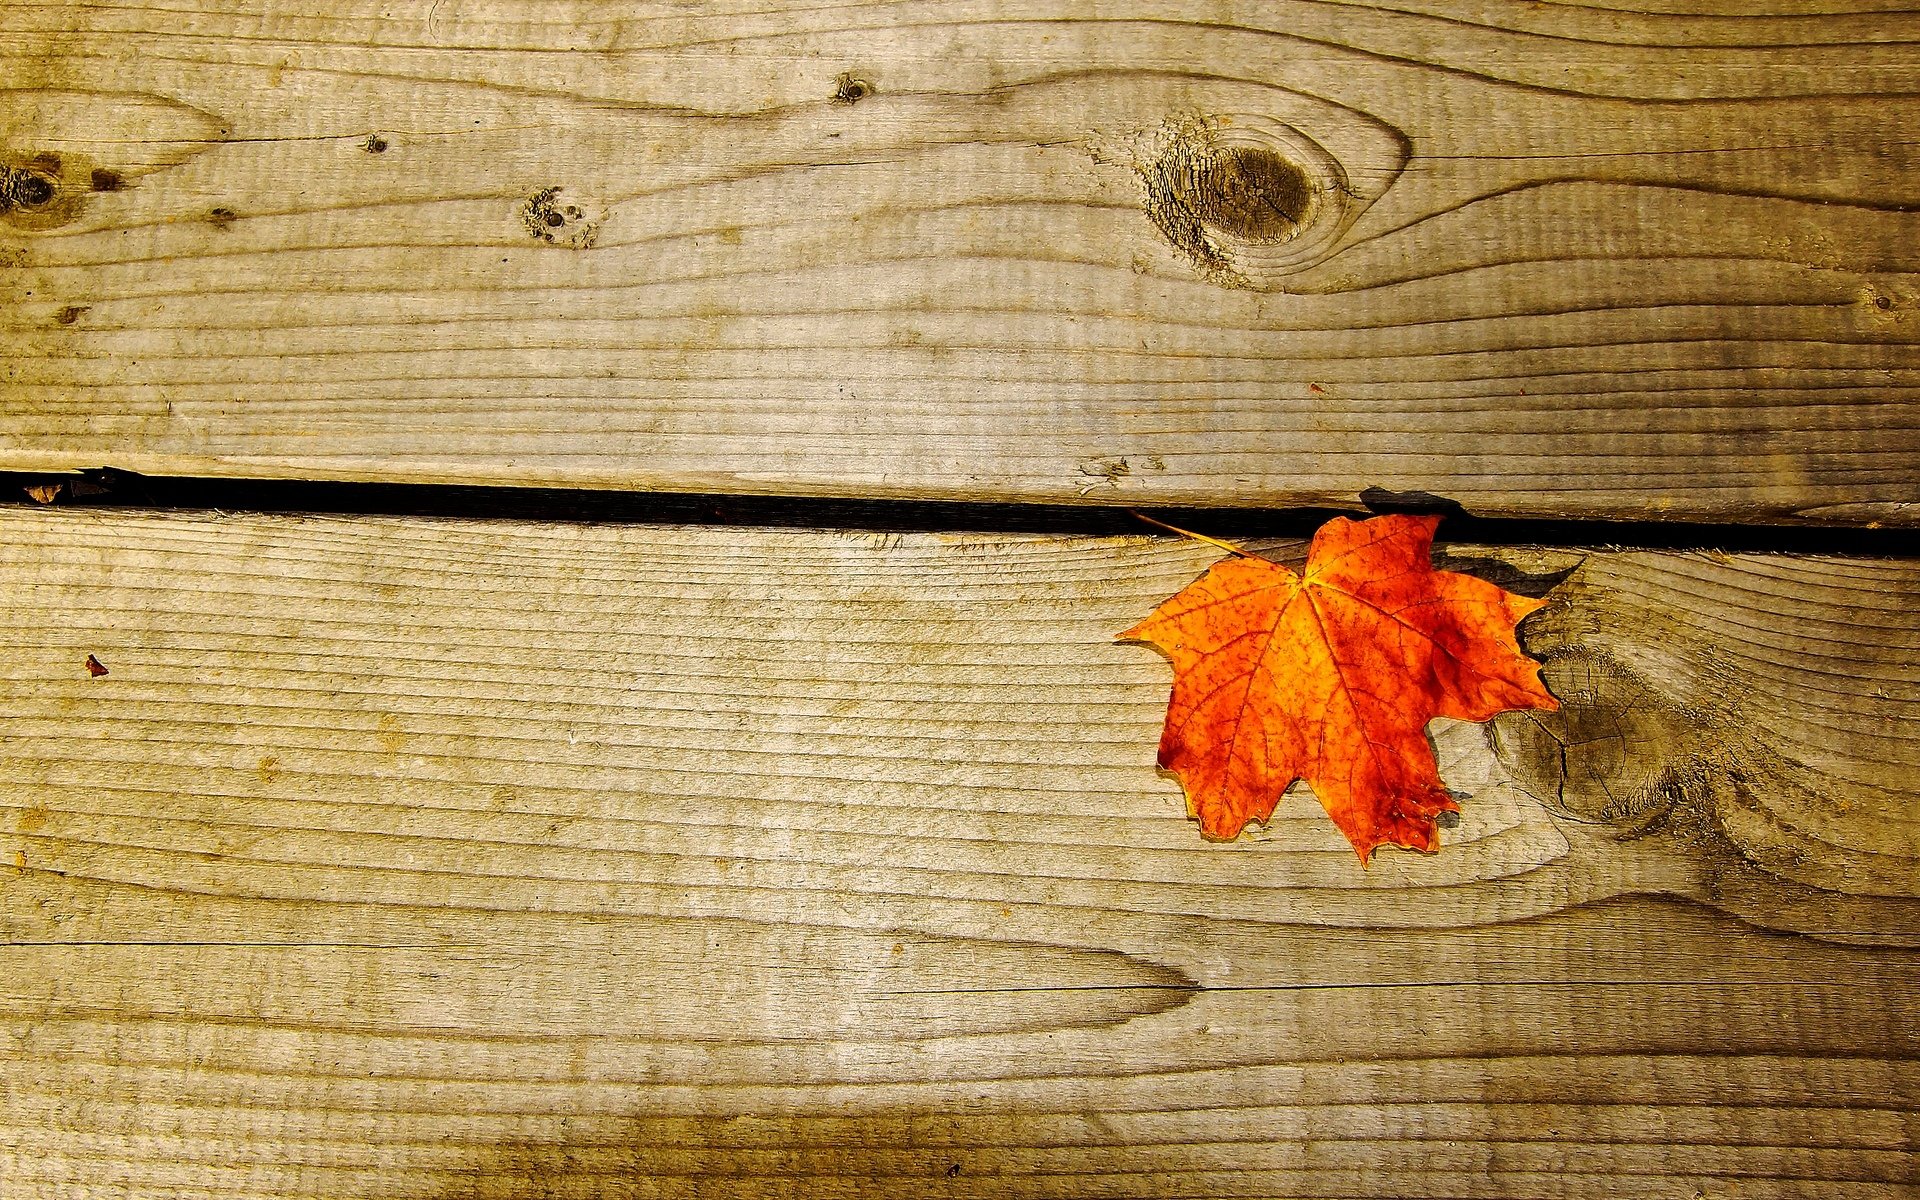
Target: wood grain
{"points": [[1545, 259], [412, 858]]}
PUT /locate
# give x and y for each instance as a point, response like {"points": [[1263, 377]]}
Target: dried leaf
{"points": [[1332, 676]]}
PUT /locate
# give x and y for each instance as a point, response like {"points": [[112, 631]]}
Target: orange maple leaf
{"points": [[1332, 676]]}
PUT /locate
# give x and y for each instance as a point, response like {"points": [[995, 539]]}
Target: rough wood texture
{"points": [[1543, 258], [451, 860]]}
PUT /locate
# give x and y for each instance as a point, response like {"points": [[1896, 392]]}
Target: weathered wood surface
{"points": [[1541, 258], [457, 860]]}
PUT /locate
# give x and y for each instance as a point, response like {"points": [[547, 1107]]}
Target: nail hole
{"points": [[850, 88], [556, 223]]}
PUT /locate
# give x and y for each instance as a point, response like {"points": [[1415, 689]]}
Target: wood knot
{"points": [[48, 190], [27, 189], [1247, 191], [33, 192], [1247, 199], [1611, 754]]}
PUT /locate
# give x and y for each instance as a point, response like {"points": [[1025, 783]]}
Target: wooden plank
{"points": [[410, 858], [1545, 259]]}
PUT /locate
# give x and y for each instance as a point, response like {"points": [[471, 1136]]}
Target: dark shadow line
{"points": [[110, 488]]}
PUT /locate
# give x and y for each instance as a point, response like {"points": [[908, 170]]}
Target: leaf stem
{"points": [[1229, 547]]}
